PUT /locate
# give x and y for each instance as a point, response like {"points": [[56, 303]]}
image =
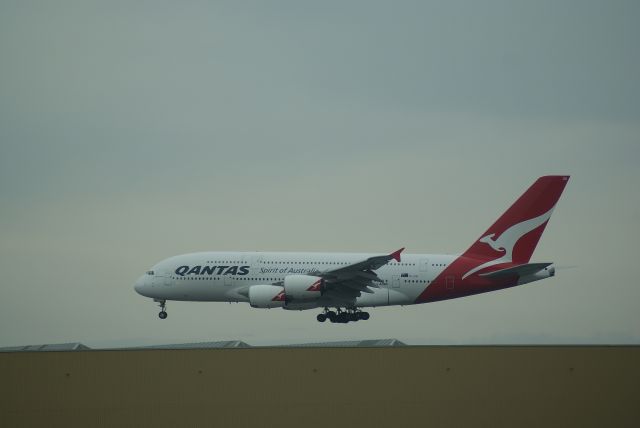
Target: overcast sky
{"points": [[134, 131]]}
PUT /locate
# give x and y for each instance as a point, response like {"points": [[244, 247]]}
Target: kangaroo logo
{"points": [[280, 297], [508, 239], [316, 286]]}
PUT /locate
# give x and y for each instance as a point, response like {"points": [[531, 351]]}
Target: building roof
{"points": [[198, 345], [375, 343], [75, 346]]}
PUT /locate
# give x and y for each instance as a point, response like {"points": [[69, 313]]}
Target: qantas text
{"points": [[212, 270]]}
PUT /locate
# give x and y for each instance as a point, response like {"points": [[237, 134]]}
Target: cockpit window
{"points": [[150, 272]]}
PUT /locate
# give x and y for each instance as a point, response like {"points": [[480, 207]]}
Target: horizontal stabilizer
{"points": [[520, 270]]}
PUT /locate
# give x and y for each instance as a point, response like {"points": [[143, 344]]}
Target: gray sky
{"points": [[133, 131]]}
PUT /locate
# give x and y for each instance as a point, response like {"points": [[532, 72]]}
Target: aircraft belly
{"points": [[201, 291], [379, 297], [396, 297]]}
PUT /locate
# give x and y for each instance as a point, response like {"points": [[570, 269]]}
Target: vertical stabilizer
{"points": [[517, 232], [500, 257]]}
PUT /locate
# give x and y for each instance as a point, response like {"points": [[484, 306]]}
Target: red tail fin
{"points": [[517, 231], [505, 247]]}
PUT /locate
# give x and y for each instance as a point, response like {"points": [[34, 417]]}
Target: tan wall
{"points": [[304, 387]]}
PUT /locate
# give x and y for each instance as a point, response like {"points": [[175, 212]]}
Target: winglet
{"points": [[396, 254]]}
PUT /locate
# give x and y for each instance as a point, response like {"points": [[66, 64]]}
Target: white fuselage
{"points": [[225, 276]]}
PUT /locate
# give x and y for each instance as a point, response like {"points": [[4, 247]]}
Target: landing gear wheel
{"points": [[343, 317], [321, 317], [353, 316], [331, 316], [163, 305], [363, 316]]}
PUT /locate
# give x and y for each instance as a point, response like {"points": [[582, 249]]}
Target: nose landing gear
{"points": [[342, 317], [163, 313]]}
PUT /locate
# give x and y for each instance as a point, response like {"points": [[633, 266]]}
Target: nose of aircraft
{"points": [[139, 285]]}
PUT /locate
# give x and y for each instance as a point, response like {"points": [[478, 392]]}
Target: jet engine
{"points": [[303, 287], [266, 296]]}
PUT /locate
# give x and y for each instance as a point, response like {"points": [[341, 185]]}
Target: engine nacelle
{"points": [[266, 296], [303, 287]]}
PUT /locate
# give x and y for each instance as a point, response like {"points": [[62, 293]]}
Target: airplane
{"points": [[341, 284]]}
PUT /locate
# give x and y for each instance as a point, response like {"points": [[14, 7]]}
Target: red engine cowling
{"points": [[266, 296], [303, 287]]}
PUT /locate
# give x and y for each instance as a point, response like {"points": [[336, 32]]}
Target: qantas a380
{"points": [[343, 283]]}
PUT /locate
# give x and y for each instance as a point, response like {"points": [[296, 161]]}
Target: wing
{"points": [[346, 283]]}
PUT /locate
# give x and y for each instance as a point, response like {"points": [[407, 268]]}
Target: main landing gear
{"points": [[342, 317], [163, 306]]}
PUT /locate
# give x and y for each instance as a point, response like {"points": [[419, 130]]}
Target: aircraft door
{"points": [[255, 262], [395, 281], [161, 279], [449, 282], [165, 280]]}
